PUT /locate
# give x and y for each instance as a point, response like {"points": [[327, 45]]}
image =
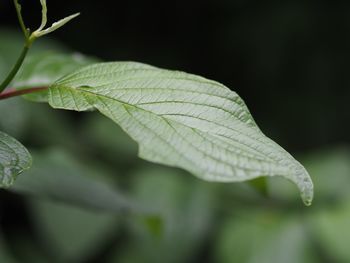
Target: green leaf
{"points": [[180, 120], [42, 69], [103, 136], [16, 125], [54, 26], [72, 234], [263, 237], [41, 31], [57, 176], [11, 44], [185, 217], [14, 159]]}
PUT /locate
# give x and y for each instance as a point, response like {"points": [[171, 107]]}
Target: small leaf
{"points": [[14, 159], [41, 31], [43, 15], [55, 25], [180, 120]]}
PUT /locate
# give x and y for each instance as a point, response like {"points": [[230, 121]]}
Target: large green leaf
{"points": [[180, 120], [14, 159]]}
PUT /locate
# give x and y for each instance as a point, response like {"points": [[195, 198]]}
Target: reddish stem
{"points": [[13, 92]]}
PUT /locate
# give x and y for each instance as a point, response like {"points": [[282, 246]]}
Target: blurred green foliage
{"points": [[88, 198]]}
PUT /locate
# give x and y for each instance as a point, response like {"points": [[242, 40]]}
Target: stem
{"points": [[28, 43], [14, 93], [15, 68], [20, 19]]}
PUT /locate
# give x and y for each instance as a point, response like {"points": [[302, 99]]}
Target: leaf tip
{"points": [[306, 188], [307, 195]]}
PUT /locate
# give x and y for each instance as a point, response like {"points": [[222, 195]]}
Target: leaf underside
{"points": [[14, 159], [181, 120]]}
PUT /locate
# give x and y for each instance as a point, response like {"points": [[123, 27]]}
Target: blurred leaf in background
{"points": [[185, 206], [263, 236], [72, 234], [109, 142], [11, 44], [56, 175]]}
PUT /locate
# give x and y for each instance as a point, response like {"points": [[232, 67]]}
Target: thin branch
{"points": [[15, 69], [14, 93], [20, 19]]}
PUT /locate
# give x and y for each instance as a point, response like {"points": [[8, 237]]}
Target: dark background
{"points": [[287, 59]]}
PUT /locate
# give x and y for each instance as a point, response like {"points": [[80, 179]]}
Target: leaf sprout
{"points": [[30, 37]]}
